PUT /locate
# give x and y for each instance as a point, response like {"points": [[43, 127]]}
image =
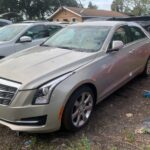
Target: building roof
{"points": [[87, 12]]}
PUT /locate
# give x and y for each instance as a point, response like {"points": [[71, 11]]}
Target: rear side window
{"points": [[137, 33]]}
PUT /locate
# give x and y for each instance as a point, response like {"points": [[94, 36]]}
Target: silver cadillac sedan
{"points": [[59, 83]]}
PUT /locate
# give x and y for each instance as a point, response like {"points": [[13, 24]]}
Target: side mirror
{"points": [[25, 39], [116, 45]]}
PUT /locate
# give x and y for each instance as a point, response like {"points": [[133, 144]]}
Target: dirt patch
{"points": [[114, 126]]}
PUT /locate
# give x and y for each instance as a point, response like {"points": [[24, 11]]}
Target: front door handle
{"points": [[131, 52]]}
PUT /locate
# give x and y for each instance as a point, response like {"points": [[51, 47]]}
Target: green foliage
{"points": [[81, 144], [130, 137], [132, 7], [147, 147], [114, 148], [34, 9], [90, 5], [9, 6], [117, 5]]}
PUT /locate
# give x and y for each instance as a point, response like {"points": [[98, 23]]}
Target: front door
{"points": [[116, 66]]}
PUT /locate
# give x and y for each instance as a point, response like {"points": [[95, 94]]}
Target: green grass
{"points": [[130, 137], [81, 144]]}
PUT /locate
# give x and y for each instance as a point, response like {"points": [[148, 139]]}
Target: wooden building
{"points": [[73, 14]]}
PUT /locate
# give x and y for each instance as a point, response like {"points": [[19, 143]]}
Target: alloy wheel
{"points": [[82, 109]]}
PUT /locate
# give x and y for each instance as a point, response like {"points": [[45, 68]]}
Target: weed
{"points": [[130, 137]]}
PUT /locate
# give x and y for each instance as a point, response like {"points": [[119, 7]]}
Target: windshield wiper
{"points": [[45, 45], [65, 47]]}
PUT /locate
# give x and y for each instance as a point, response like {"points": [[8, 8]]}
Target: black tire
{"points": [[67, 120], [147, 68]]}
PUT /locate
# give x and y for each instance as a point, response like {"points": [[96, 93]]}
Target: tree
{"points": [[9, 6], [90, 5], [138, 7], [133, 7], [117, 5], [34, 9]]}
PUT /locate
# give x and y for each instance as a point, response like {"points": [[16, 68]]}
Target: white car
{"points": [[4, 22], [17, 37]]}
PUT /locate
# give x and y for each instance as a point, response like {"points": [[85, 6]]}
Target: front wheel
{"points": [[78, 109]]}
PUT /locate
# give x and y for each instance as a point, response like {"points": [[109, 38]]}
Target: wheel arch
{"points": [[89, 84]]}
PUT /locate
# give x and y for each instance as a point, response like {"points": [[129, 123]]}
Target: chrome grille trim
{"points": [[8, 91], [10, 83]]}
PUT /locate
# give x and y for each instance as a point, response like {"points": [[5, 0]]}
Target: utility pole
{"points": [[80, 4], [59, 3]]}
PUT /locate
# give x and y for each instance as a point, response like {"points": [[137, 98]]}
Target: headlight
{"points": [[43, 94]]}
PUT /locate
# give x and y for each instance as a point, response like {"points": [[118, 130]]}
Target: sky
{"points": [[102, 4]]}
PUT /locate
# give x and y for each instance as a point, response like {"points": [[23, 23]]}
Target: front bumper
{"points": [[16, 118], [21, 108]]}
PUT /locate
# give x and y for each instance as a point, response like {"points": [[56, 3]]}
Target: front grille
{"points": [[8, 90]]}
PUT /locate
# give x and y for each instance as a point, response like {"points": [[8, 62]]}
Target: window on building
{"points": [[66, 20], [74, 19]]}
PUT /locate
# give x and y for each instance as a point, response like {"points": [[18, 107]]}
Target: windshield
{"points": [[83, 38], [7, 33]]}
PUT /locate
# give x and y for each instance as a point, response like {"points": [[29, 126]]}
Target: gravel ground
{"points": [[116, 124]]}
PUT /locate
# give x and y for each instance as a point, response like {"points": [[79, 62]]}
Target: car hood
{"points": [[37, 65]]}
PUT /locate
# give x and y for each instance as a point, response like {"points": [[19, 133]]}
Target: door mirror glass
{"points": [[24, 39], [116, 45]]}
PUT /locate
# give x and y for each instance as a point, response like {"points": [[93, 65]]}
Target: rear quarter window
{"points": [[52, 29]]}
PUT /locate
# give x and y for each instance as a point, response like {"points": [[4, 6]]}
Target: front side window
{"points": [[9, 32], [37, 32], [81, 38], [121, 34], [137, 33]]}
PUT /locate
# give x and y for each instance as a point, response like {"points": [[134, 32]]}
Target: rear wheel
{"points": [[147, 68], [78, 109]]}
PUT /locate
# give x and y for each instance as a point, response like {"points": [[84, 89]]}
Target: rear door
{"points": [[139, 46]]}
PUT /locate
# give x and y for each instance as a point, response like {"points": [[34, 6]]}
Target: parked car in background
{"points": [[16, 37], [13, 16], [34, 21], [4, 22], [59, 82], [144, 21]]}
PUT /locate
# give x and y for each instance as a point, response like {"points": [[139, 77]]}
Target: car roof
{"points": [[37, 23], [98, 23], [32, 23], [106, 23]]}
